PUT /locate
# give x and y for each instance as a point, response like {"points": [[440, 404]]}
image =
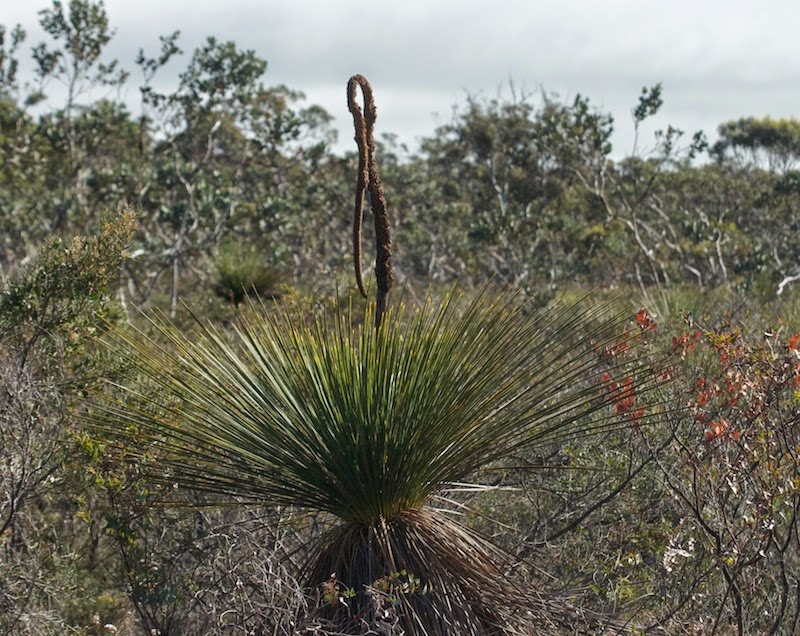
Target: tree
{"points": [[222, 150], [9, 64], [772, 144], [502, 171], [80, 35]]}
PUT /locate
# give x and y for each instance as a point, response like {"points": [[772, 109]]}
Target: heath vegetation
{"points": [[567, 404]]}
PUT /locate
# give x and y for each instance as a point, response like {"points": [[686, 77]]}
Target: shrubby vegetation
{"points": [[678, 515]]}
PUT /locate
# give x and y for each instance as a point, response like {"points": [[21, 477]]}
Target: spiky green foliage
{"points": [[241, 272], [371, 425]]}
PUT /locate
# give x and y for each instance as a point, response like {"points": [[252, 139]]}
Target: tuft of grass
{"points": [[240, 272]]}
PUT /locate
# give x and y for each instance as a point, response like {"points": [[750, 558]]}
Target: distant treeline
{"points": [[524, 189]]}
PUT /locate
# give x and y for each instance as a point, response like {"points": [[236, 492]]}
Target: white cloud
{"points": [[717, 59]]}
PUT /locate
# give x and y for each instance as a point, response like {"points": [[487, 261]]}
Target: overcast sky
{"points": [[718, 60]]}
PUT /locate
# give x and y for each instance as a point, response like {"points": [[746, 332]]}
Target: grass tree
{"points": [[371, 427]]}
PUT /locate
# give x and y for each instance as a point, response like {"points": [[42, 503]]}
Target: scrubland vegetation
{"points": [[580, 413]]}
